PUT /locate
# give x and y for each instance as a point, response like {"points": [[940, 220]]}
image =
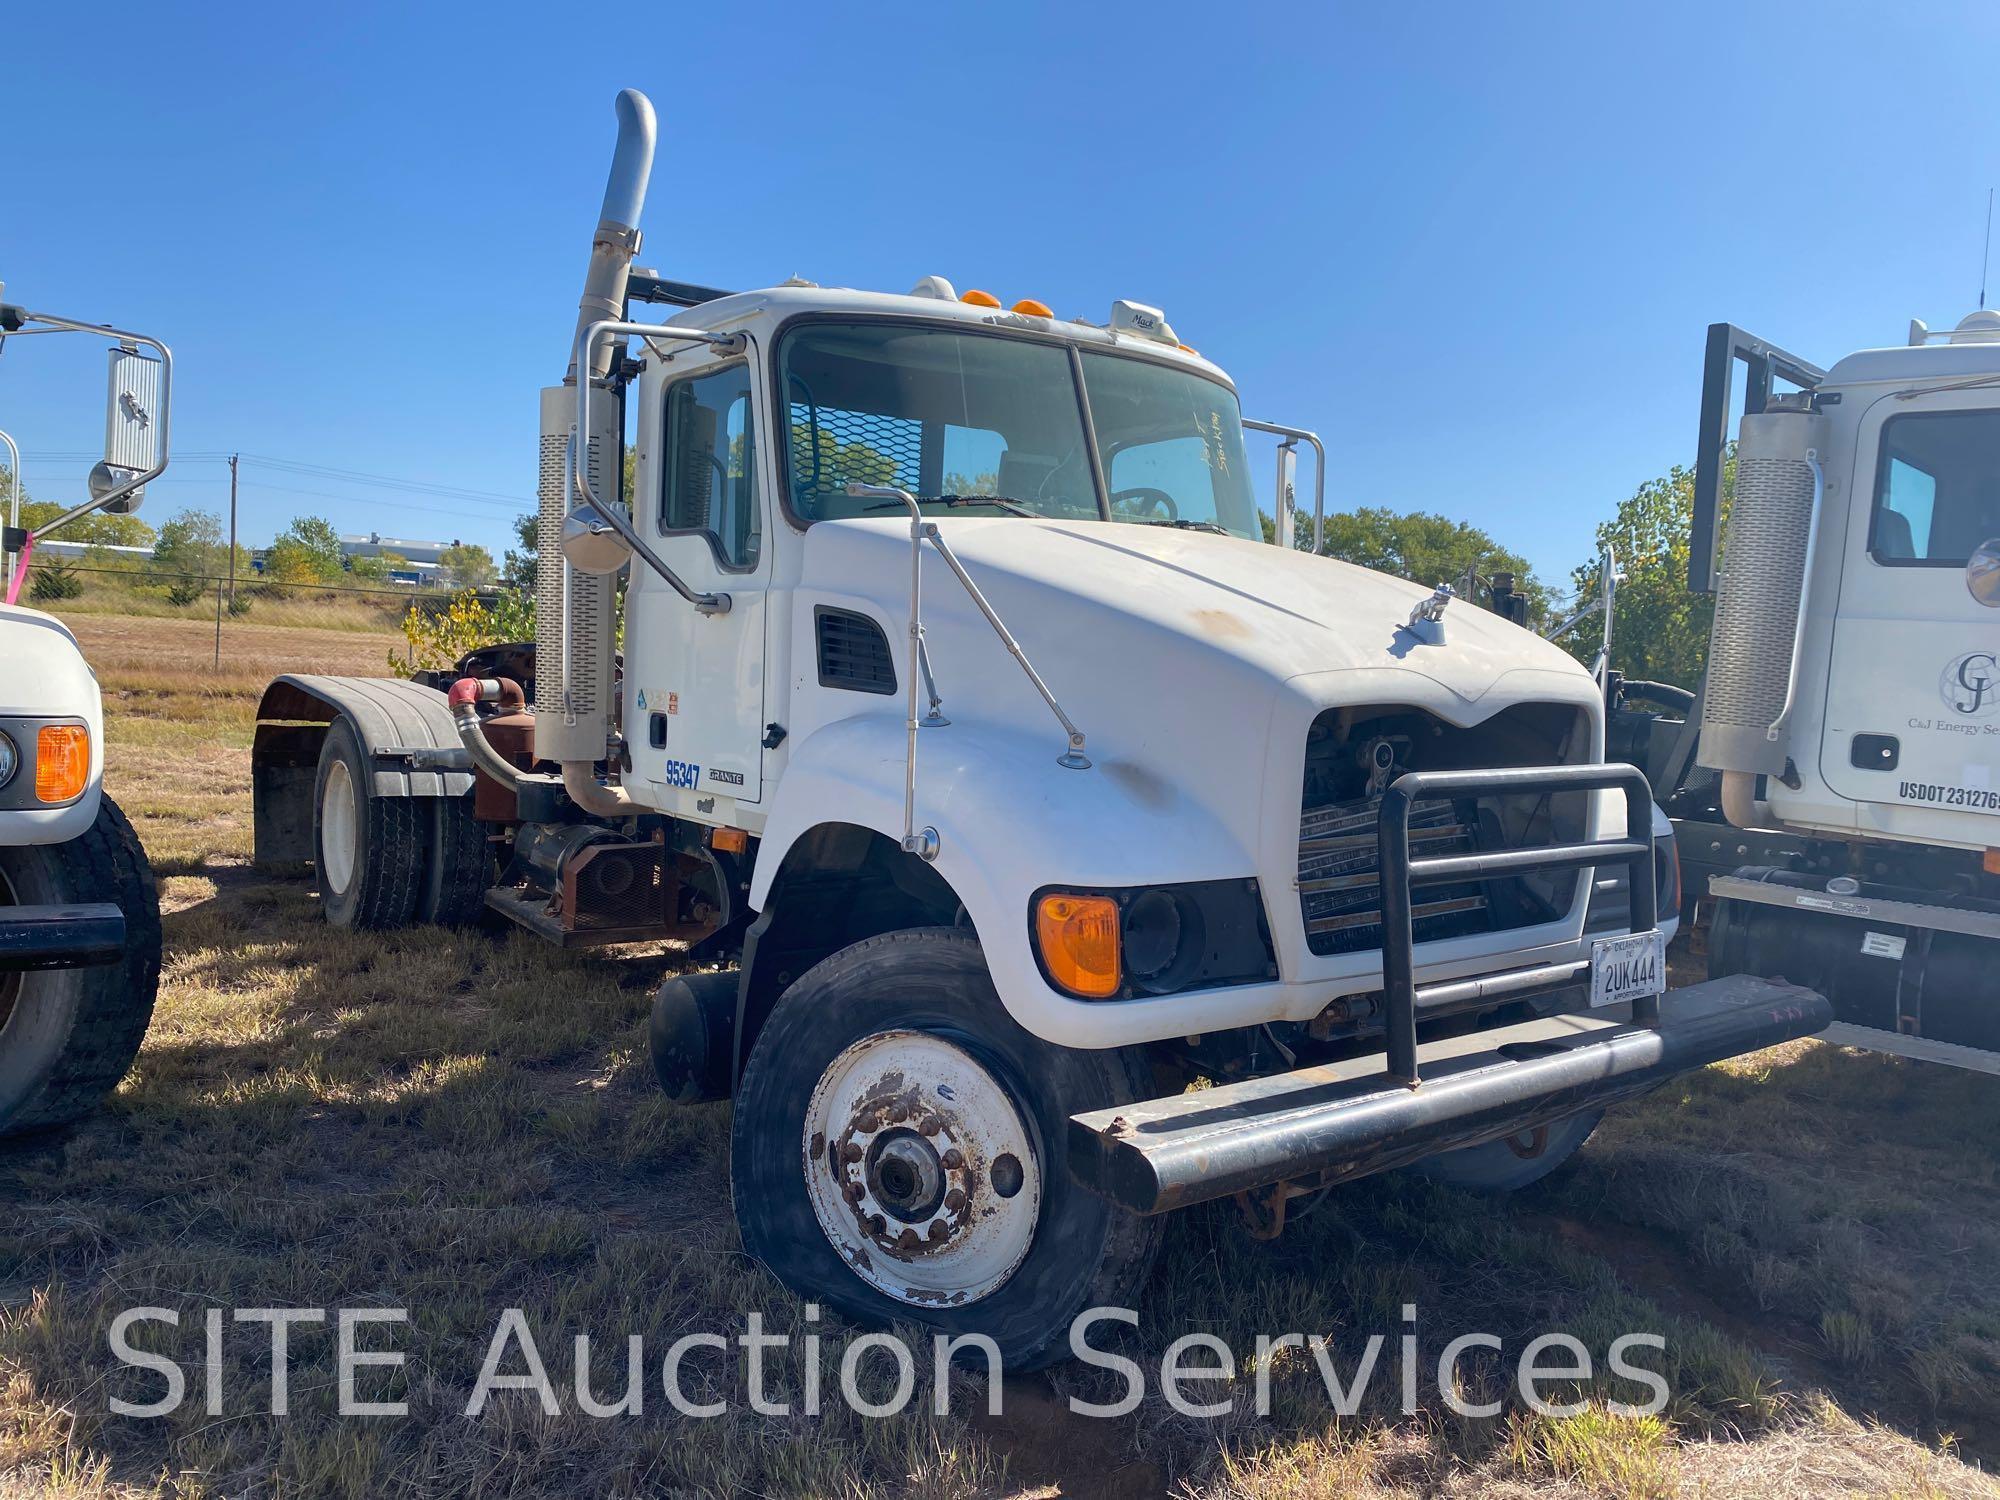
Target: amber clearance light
{"points": [[62, 762], [1078, 936]]}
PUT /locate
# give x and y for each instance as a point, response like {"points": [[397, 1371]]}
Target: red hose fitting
{"points": [[465, 690]]}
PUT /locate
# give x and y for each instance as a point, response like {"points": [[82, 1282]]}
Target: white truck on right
{"points": [[1835, 783]]}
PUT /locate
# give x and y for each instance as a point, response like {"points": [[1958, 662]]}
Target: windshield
{"points": [[994, 426], [1171, 444]]}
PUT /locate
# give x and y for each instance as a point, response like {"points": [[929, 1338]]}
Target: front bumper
{"points": [[1334, 1122], [1340, 1121], [60, 937]]}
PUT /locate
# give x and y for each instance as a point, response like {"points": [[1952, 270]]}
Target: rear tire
{"points": [[458, 866], [870, 1061], [368, 850], [68, 1035], [1514, 1162]]}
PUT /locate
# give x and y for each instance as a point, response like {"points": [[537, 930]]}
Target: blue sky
{"points": [[1475, 246]]}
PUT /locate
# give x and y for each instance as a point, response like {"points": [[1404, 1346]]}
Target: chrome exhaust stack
{"points": [[574, 610]]}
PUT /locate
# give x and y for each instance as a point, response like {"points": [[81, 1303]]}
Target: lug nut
{"points": [[907, 1240], [954, 1159], [877, 1224], [850, 1152], [955, 1199], [855, 1192], [939, 1229], [898, 1113], [931, 1125]]}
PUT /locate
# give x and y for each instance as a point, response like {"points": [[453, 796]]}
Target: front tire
{"points": [[68, 1035], [897, 1152]]}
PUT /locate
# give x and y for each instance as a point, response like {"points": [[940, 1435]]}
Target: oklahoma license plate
{"points": [[1623, 968]]}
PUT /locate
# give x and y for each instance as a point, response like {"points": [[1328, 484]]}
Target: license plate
{"points": [[1623, 968]]}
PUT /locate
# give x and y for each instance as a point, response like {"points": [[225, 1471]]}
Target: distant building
{"points": [[420, 558]]}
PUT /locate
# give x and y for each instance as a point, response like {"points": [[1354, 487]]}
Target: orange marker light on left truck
{"points": [[62, 762]]}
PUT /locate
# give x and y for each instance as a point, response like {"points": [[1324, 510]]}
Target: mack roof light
{"points": [[1146, 322]]}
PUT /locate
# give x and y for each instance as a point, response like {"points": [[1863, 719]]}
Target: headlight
{"points": [[10, 759], [1152, 940]]}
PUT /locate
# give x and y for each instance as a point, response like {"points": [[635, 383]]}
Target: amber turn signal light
{"points": [[1078, 936], [62, 762]]}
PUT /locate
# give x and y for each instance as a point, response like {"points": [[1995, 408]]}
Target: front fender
{"points": [[50, 681], [1011, 821]]}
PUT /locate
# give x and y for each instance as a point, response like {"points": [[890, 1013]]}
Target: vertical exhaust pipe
{"points": [[616, 242], [574, 624]]}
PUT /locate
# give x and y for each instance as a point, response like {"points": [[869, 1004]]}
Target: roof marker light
{"points": [[1032, 308], [978, 298]]}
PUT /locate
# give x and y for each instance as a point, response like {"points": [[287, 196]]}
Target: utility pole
{"points": [[232, 529], [232, 566]]}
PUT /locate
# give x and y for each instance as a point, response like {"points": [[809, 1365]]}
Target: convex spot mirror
{"points": [[1982, 573], [591, 544], [107, 478]]}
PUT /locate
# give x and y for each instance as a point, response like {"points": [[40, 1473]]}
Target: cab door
{"points": [[693, 698], [1913, 685]]}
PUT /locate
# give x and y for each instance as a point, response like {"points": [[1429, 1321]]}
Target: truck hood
{"points": [[1281, 614]]}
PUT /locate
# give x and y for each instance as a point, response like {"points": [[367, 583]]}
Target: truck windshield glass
{"points": [[990, 426], [1937, 490], [1171, 444]]}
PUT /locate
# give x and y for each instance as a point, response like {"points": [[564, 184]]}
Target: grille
{"points": [[831, 446], [1340, 876], [853, 652]]}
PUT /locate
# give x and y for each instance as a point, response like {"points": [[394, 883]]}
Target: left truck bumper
{"points": [[60, 937]]}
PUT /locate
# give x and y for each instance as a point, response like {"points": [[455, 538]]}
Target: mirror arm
{"points": [[586, 341]]}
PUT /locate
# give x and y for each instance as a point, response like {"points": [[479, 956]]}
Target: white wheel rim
{"points": [[338, 822], [920, 1169]]}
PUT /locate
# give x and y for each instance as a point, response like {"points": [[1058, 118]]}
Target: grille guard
{"points": [[1335, 1122]]}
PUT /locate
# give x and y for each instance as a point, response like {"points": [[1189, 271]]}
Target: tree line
{"points": [[193, 545]]}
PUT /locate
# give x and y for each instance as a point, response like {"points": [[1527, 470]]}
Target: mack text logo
{"points": [[1970, 684]]}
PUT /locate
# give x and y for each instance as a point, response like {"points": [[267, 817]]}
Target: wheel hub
{"points": [[338, 827], [920, 1169]]}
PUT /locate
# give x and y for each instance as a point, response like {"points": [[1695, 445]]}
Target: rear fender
{"points": [[405, 727]]}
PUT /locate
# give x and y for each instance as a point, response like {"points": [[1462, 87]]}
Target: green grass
{"points": [[458, 1123]]}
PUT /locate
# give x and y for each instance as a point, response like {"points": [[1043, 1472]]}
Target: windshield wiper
{"points": [[1190, 526], [998, 502]]}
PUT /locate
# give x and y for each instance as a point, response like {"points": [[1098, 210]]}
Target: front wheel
{"points": [[897, 1153], [68, 1035]]}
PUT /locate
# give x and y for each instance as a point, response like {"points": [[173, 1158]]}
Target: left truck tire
{"points": [[68, 1035]]}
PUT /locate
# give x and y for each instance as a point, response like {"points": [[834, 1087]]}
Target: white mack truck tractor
{"points": [[966, 718], [79, 912], [1835, 780]]}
